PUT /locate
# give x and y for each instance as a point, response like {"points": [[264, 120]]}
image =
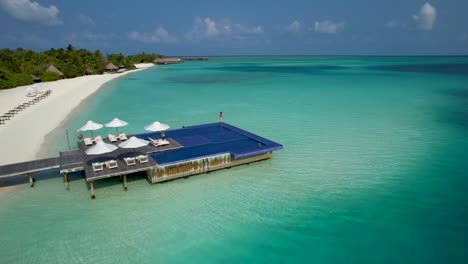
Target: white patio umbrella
{"points": [[101, 148], [116, 123], [91, 126], [134, 143], [157, 126]]}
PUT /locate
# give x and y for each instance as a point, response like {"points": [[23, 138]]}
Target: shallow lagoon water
{"points": [[373, 170]]}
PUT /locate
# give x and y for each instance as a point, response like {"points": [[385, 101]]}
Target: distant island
{"points": [[22, 67]]}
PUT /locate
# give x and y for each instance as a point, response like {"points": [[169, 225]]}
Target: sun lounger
{"points": [[158, 142], [112, 138], [142, 159], [130, 161], [122, 136], [98, 139], [97, 166], [111, 164], [87, 141]]}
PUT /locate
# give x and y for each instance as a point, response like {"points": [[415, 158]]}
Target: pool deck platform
{"points": [[191, 150]]}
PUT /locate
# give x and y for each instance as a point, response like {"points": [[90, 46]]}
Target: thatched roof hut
{"points": [[111, 67], [167, 61], [35, 78], [88, 71], [52, 68]]}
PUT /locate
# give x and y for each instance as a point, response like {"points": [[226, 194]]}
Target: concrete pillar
{"points": [[91, 186], [65, 180], [125, 182], [31, 179]]}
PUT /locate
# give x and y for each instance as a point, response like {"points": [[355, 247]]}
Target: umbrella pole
{"points": [[92, 135], [117, 130]]}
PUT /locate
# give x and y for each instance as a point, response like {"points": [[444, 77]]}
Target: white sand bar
{"points": [[22, 136]]}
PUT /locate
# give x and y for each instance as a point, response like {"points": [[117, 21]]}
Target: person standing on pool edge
{"points": [[221, 118]]}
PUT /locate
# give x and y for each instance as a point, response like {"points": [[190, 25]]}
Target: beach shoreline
{"points": [[24, 137]]}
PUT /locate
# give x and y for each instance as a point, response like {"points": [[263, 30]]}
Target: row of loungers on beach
{"points": [[112, 164], [10, 114], [112, 138]]}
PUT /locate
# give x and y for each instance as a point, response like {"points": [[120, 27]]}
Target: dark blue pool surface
{"points": [[208, 140]]}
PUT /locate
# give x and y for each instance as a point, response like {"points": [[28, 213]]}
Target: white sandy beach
{"points": [[22, 136]]}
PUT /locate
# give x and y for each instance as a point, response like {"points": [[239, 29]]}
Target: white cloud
{"points": [[426, 17], [328, 27], [211, 28], [295, 26], [29, 11], [392, 24], [208, 28], [159, 35], [86, 20]]}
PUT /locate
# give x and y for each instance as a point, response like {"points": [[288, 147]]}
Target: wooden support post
{"points": [[91, 186], [125, 182], [65, 179], [31, 179]]}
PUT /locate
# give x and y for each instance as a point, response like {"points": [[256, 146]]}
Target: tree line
{"points": [[17, 66]]}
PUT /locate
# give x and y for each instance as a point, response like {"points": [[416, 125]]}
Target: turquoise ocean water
{"points": [[374, 169]]}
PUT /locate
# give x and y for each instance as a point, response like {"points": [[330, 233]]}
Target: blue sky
{"points": [[217, 27]]}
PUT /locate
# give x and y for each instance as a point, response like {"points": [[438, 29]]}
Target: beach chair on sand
{"points": [[122, 136], [98, 166], [130, 161], [142, 159], [112, 138], [111, 164], [87, 141], [98, 139]]}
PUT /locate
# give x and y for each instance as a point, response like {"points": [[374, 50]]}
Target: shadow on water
{"points": [[39, 176], [452, 68], [117, 180]]}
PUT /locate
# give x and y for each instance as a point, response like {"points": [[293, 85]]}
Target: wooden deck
{"points": [[71, 160], [119, 155]]}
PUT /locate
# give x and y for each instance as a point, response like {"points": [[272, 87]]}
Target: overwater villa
{"points": [[168, 61]]}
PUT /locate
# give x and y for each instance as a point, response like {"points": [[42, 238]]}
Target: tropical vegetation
{"points": [[17, 67]]}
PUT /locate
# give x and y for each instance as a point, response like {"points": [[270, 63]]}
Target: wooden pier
{"points": [[191, 150]]}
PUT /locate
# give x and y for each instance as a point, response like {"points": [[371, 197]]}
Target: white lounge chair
{"points": [[87, 141], [130, 161], [112, 138], [111, 164], [122, 136], [158, 142], [142, 159], [98, 139], [97, 166]]}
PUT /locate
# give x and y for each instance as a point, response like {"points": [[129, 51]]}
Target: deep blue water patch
{"points": [[212, 78], [452, 68], [211, 139], [286, 69]]}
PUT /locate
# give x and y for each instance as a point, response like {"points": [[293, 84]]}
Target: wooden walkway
{"points": [[69, 161], [28, 167]]}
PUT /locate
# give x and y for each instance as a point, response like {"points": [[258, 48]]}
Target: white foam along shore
{"points": [[21, 137]]}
